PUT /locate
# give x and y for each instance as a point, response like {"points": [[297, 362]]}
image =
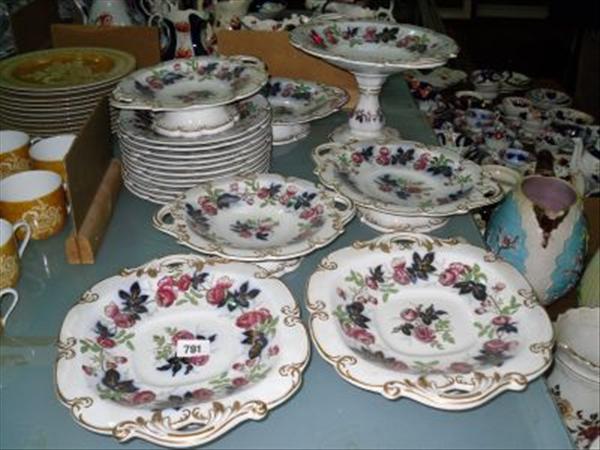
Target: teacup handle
{"points": [[15, 299], [320, 152], [27, 235], [345, 207]]}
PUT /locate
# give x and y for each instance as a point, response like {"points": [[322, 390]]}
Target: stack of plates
{"points": [[54, 91], [159, 168]]}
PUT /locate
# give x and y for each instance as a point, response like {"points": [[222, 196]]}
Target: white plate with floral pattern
{"points": [[296, 101], [437, 321], [404, 180], [120, 372], [252, 113], [440, 78], [545, 99], [201, 82], [256, 218]]}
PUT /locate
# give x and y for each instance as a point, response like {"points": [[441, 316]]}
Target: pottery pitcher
{"points": [[540, 229]]}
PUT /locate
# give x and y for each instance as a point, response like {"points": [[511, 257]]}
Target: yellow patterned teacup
{"points": [[14, 152], [10, 252], [50, 153], [38, 198], [7, 293]]}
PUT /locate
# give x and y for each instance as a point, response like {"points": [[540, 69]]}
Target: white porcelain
{"points": [[585, 162], [440, 78], [575, 379], [192, 95], [227, 12], [14, 298], [28, 185], [546, 99], [513, 81], [253, 113], [11, 140], [404, 179], [105, 12], [117, 344], [286, 134], [8, 231], [372, 51], [52, 149], [514, 106], [255, 218], [437, 321], [506, 177], [392, 223]]}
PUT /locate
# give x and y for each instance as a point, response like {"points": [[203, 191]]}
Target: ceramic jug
{"points": [[540, 229], [575, 377], [105, 12], [187, 33]]}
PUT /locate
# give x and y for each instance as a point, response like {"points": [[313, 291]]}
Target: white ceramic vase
{"points": [[575, 378]]}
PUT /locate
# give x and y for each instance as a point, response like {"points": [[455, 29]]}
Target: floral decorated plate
{"points": [[440, 78], [201, 82], [252, 113], [437, 321], [299, 101], [358, 44], [405, 178], [513, 81], [255, 218], [545, 99], [180, 350]]}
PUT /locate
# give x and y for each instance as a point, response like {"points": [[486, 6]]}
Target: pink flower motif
{"points": [[199, 360], [250, 319], [458, 268], [238, 366], [166, 282], [341, 293], [409, 314], [461, 367], [105, 342], [202, 394], [421, 163], [372, 283], [124, 320], [399, 366], [448, 278], [263, 192], [217, 294], [111, 310], [246, 234], [499, 287], [251, 362], [234, 187], [384, 151], [184, 282], [165, 296], [480, 311], [361, 335], [496, 346], [182, 335], [154, 82], [284, 199], [501, 320], [208, 207], [400, 275], [111, 365], [139, 398], [88, 370], [291, 190], [357, 158], [120, 360], [424, 334], [370, 34], [239, 382], [383, 160], [273, 350]]}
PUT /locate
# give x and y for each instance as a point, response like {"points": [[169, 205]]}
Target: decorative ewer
{"points": [[371, 51], [541, 230], [575, 378], [105, 12]]}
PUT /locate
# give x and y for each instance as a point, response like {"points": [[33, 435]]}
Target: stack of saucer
{"points": [[190, 121], [159, 168], [54, 91]]}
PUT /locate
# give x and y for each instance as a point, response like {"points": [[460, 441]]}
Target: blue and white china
{"points": [[546, 99], [541, 230], [575, 378], [105, 12]]}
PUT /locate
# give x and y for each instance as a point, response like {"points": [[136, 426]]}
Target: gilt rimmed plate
{"points": [[257, 217], [295, 101], [439, 78], [359, 45], [194, 83], [437, 321], [119, 372], [62, 70], [405, 178], [253, 112]]}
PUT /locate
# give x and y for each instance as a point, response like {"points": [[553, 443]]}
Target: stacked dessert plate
{"points": [[54, 91], [188, 122]]}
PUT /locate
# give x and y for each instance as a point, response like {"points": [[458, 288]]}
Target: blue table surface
{"points": [[327, 412]]}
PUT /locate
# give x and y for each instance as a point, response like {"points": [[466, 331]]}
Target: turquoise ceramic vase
{"points": [[540, 229]]}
